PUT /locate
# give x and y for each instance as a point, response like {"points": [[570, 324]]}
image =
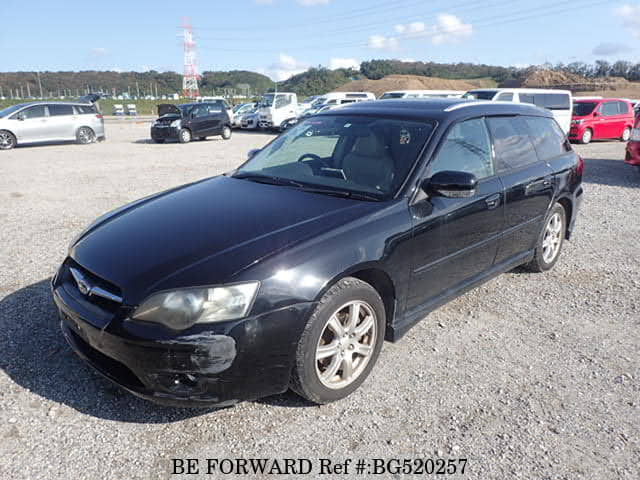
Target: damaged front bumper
{"points": [[211, 365]]}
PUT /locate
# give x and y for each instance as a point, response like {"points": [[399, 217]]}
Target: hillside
{"points": [[409, 82]]}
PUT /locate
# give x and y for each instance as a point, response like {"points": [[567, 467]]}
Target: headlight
{"points": [[577, 122], [635, 135], [181, 309], [175, 123]]}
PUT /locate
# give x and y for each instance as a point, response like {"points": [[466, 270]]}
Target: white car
{"points": [[240, 111]]}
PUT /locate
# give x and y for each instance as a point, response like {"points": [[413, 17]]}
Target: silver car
{"points": [[39, 122]]}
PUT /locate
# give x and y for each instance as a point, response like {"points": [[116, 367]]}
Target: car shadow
{"points": [[614, 173], [34, 354]]}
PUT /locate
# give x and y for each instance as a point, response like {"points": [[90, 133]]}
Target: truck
{"points": [[278, 110]]}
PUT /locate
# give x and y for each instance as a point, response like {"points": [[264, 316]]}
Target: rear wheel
{"points": [[626, 135], [550, 241], [85, 136], [7, 140], [226, 132], [587, 136], [340, 343], [184, 136]]}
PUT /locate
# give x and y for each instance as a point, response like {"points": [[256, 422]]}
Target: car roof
{"points": [[49, 102], [438, 108], [600, 100]]}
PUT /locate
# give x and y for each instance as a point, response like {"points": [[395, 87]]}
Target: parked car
{"points": [[240, 110], [250, 121], [560, 102], [191, 120], [396, 94], [290, 271], [607, 118], [45, 122], [633, 146]]}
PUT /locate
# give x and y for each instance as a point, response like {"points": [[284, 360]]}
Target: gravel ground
{"points": [[530, 376]]}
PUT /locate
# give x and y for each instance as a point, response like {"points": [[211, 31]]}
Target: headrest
{"points": [[369, 146]]}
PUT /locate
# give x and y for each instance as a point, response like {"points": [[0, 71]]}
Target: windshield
{"points": [[392, 95], [480, 95], [580, 109], [358, 155], [267, 100], [9, 110]]}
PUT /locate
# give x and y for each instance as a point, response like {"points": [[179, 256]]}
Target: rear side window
{"points": [[213, 108], [82, 109], [623, 107], [548, 138], [466, 149], [550, 101], [609, 109], [513, 147], [505, 97], [58, 110]]}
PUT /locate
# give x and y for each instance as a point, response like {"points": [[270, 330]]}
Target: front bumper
{"points": [[162, 132], [632, 156], [212, 365]]}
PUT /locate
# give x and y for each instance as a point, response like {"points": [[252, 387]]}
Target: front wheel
{"points": [[184, 136], [550, 240], [226, 133], [7, 140], [587, 135], [85, 135], [626, 135], [340, 343]]}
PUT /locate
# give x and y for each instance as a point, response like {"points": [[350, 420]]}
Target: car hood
{"points": [[168, 108], [204, 233]]}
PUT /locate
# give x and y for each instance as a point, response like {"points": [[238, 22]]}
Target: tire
{"points": [[587, 136], [550, 241], [85, 136], [158, 140], [356, 344], [7, 140], [626, 135], [184, 135], [226, 132]]}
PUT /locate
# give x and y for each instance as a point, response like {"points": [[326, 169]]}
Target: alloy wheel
{"points": [[552, 238], [85, 135], [6, 141], [346, 344], [626, 134]]}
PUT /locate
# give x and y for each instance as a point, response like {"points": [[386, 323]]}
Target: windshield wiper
{"points": [[341, 193], [258, 178]]}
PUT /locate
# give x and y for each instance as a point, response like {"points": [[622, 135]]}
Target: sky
{"points": [[283, 37]]}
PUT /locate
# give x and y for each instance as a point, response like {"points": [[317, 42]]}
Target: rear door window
{"points": [[609, 109], [56, 110], [511, 142], [548, 138], [467, 148], [505, 97]]}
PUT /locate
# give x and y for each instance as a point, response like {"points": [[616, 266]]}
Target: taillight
{"points": [[99, 116], [580, 167]]}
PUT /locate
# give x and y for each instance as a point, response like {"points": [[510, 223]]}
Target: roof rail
{"points": [[468, 104]]}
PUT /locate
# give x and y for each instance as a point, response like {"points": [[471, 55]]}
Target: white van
{"points": [[422, 94], [560, 102], [341, 98]]}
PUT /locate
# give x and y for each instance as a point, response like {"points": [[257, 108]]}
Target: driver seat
{"points": [[369, 163]]}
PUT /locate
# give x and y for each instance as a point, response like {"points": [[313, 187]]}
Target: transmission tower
{"points": [[190, 78]]}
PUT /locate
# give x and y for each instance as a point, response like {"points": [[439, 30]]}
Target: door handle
{"points": [[493, 201]]}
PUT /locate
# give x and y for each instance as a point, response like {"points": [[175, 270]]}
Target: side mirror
{"points": [[596, 114], [253, 153], [451, 184]]}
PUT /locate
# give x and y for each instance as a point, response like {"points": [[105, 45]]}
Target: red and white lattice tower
{"points": [[191, 76]]}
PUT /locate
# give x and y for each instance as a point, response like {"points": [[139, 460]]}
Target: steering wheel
{"points": [[311, 156]]}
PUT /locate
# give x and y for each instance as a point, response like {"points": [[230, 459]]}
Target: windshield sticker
{"points": [[405, 137]]}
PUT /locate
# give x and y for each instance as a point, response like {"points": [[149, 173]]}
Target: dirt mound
{"points": [[405, 82], [539, 77]]}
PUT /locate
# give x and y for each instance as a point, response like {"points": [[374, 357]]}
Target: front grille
{"points": [[102, 293]]}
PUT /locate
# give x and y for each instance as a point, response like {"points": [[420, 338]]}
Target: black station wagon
{"points": [[290, 271], [191, 121]]}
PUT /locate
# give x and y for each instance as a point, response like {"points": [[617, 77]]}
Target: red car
{"points": [[602, 118], [633, 147]]}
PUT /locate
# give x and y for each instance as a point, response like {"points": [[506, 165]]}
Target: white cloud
{"points": [[344, 63], [606, 49], [630, 15], [383, 43], [98, 52], [447, 29], [313, 3], [284, 68]]}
